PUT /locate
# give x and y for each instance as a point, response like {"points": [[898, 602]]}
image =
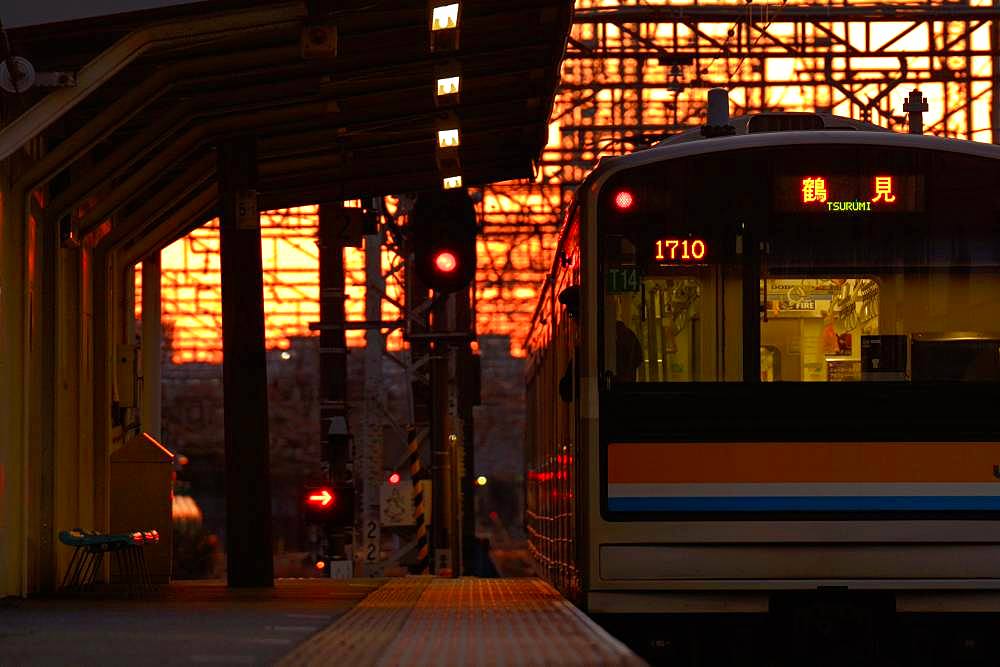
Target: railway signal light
{"points": [[322, 498], [329, 504], [445, 262], [442, 234]]}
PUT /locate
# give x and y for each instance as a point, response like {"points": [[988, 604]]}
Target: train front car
{"points": [[785, 367]]}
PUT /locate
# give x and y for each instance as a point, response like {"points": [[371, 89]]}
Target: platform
{"points": [[411, 621], [468, 621]]}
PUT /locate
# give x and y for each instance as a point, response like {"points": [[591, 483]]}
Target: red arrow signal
{"points": [[323, 498]]}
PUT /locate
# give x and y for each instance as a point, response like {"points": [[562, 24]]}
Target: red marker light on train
{"points": [[394, 478], [624, 200]]}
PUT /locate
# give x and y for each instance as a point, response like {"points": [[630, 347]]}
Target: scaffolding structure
{"points": [[634, 73]]}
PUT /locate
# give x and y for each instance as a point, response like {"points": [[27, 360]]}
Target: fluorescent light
{"points": [[448, 138], [445, 17], [448, 85], [452, 182]]}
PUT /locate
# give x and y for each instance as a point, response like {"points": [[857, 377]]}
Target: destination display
{"points": [[837, 194]]}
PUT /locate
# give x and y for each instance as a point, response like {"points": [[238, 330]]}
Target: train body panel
{"points": [[670, 470]]}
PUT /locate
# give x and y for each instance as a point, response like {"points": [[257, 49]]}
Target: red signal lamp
{"points": [[624, 200], [321, 498], [394, 478], [445, 261]]}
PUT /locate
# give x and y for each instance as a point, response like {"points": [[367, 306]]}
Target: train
{"points": [[761, 380]]}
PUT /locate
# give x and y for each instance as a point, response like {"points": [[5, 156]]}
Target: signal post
{"points": [[339, 227], [442, 236]]}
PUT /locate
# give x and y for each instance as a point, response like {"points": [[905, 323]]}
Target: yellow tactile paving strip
{"points": [[361, 635], [422, 621]]}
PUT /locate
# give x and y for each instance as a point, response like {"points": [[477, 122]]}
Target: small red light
{"points": [[394, 478], [624, 200], [445, 261], [320, 565]]}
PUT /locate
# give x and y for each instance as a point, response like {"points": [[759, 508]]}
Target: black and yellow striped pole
{"points": [[413, 439]]}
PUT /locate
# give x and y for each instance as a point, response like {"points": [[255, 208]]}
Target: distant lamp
{"points": [[447, 152], [448, 76], [444, 19], [448, 85], [481, 480], [448, 138]]}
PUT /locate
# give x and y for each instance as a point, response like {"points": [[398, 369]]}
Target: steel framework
{"points": [[635, 72]]}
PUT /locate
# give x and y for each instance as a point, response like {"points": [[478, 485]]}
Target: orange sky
{"points": [[511, 268]]}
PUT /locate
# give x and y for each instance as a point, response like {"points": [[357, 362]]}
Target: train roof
{"points": [[834, 130], [778, 122], [749, 133]]}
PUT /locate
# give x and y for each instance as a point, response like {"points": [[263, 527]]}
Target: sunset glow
{"points": [[600, 105]]}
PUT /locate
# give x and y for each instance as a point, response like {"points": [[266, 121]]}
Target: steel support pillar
{"points": [[465, 383], [244, 370], [369, 452], [152, 345]]}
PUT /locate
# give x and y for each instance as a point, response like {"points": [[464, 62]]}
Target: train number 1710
{"points": [[681, 250]]}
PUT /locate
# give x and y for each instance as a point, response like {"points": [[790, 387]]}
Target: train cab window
{"points": [[811, 328], [898, 282], [669, 323], [897, 326]]}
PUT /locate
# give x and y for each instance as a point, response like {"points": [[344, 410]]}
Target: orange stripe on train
{"points": [[802, 462]]}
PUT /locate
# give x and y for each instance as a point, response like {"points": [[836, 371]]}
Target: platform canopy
{"points": [[39, 12], [342, 97]]}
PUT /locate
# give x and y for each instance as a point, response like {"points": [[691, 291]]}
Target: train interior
{"points": [[928, 326]]}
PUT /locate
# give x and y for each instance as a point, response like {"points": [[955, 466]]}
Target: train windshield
{"points": [[806, 264]]}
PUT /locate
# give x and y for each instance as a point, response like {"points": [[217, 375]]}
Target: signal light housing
{"points": [[442, 238]]}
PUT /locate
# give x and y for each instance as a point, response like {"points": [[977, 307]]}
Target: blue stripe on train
{"points": [[803, 503]]}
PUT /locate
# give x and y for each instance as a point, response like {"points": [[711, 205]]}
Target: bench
{"points": [[126, 551]]}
